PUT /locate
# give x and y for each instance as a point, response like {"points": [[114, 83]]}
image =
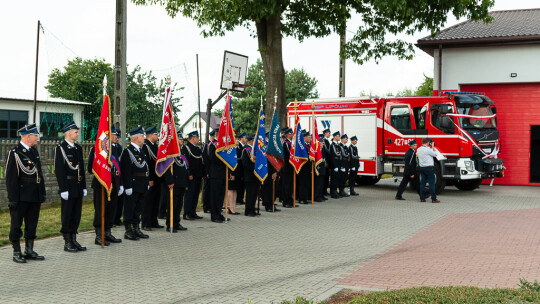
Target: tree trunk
{"points": [[269, 37]]}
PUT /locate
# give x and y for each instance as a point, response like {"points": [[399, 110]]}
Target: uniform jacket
{"points": [[69, 169], [194, 156], [217, 167], [151, 151], [248, 166], [206, 157], [335, 156], [180, 174], [240, 168], [345, 156], [287, 167], [134, 169], [115, 175], [410, 163], [353, 150], [23, 183]]}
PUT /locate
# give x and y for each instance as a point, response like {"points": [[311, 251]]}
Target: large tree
{"points": [[82, 80], [299, 85], [382, 20]]}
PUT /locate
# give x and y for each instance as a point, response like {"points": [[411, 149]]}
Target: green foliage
{"points": [[526, 285], [450, 294], [246, 105], [82, 80], [376, 37], [299, 300]]}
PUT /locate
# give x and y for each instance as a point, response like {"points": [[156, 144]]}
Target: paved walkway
{"points": [[371, 241]]}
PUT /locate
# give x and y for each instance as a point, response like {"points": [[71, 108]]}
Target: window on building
{"points": [[11, 121], [400, 118], [51, 123]]}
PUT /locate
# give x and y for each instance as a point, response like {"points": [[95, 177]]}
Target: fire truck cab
{"points": [[462, 125]]}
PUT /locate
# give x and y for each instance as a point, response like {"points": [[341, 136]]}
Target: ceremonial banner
{"points": [[315, 153], [259, 150], [226, 141], [101, 167], [168, 147], [299, 154], [274, 153]]}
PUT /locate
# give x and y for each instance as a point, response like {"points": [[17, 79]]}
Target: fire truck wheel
{"points": [[367, 180], [467, 185]]}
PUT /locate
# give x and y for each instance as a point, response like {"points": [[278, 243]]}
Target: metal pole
{"points": [[171, 207], [102, 216], [440, 70], [341, 65], [120, 69], [35, 81], [199, 95]]}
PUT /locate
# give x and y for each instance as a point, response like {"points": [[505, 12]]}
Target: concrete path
{"points": [[370, 241]]}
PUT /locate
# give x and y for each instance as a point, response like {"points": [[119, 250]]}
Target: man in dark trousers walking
{"points": [[409, 172], [69, 171], [26, 191]]}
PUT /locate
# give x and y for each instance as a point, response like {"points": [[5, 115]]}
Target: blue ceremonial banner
{"points": [[299, 153], [226, 144], [259, 150], [274, 153]]}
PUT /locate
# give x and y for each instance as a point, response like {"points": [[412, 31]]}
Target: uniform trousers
{"points": [[163, 200], [240, 192], [27, 212], [206, 195], [334, 183], [70, 214], [252, 189], [287, 188], [119, 208], [342, 179], [110, 208], [151, 205], [133, 208], [267, 195], [403, 185], [216, 198], [178, 203], [319, 183], [304, 183], [192, 196], [352, 178]]}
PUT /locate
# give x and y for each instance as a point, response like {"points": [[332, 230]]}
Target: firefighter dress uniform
{"points": [[287, 173], [354, 162], [152, 198], [344, 168], [134, 169], [251, 182], [196, 170], [117, 151], [335, 166], [70, 174], [26, 191]]}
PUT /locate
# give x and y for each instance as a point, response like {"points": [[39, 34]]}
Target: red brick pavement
{"points": [[488, 249]]}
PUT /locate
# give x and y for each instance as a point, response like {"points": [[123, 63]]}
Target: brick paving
{"points": [[310, 251]]}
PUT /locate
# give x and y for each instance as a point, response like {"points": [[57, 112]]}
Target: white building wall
{"points": [[189, 128], [492, 64]]}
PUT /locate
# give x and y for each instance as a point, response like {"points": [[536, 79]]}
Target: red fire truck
{"points": [[462, 125]]}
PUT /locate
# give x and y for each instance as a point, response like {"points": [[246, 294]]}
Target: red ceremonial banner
{"points": [[102, 164]]}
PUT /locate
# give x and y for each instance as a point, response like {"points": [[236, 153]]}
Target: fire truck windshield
{"points": [[477, 123]]}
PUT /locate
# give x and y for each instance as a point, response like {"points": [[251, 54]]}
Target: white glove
{"points": [[84, 192], [121, 190], [352, 169], [342, 169], [64, 195], [335, 169], [148, 187], [129, 191]]}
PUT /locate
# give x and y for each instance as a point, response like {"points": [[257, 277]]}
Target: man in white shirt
{"points": [[425, 160]]}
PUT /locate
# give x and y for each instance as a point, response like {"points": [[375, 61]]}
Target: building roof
{"points": [[49, 100], [508, 27], [214, 120]]}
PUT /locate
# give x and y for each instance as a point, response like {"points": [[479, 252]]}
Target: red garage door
{"points": [[518, 111]]}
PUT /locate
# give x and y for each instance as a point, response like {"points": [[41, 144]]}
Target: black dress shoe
{"points": [[18, 257], [400, 198], [217, 221], [29, 252], [130, 234], [188, 217], [180, 228], [109, 237], [335, 196], [354, 193], [251, 214], [76, 244], [138, 232], [269, 209], [304, 202], [318, 200], [233, 213], [174, 230], [197, 217], [157, 226], [276, 209], [287, 206], [147, 228]]}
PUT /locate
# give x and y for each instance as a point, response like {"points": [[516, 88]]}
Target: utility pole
{"points": [[35, 80], [120, 69], [342, 64]]}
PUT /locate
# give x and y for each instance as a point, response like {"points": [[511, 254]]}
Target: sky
{"points": [[169, 46]]}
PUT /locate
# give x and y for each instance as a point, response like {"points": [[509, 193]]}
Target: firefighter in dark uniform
{"points": [[344, 167], [196, 172], [152, 198], [353, 151], [217, 184], [26, 191], [321, 177], [409, 172], [134, 174], [239, 172], [268, 187], [335, 165], [286, 174], [70, 174], [117, 149], [325, 149], [110, 206], [251, 182], [178, 180], [206, 160], [304, 176]]}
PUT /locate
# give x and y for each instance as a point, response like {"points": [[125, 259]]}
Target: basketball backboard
{"points": [[233, 75]]}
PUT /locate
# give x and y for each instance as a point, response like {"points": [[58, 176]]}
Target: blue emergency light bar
{"points": [[463, 93]]}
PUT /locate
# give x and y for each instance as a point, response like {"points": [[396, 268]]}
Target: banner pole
{"points": [[171, 207], [102, 216], [259, 200], [226, 193], [312, 183], [294, 189]]}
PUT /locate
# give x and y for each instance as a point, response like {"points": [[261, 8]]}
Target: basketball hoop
{"points": [[241, 85], [234, 72]]}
